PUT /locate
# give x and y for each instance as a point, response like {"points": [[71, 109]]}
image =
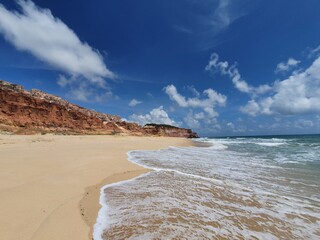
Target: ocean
{"points": [[233, 188]]}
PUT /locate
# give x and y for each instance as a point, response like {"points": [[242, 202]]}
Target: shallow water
{"points": [[239, 188]]}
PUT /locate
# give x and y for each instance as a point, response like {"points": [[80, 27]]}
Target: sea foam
{"points": [[238, 188]]}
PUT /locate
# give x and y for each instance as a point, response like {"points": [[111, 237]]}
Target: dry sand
{"points": [[50, 185]]}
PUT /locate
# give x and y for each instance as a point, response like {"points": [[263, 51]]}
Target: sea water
{"points": [[236, 188]]}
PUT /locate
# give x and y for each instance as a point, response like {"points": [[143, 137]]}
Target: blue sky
{"points": [[220, 67]]}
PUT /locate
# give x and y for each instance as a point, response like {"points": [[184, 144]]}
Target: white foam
{"points": [[131, 159], [218, 146], [213, 175], [222, 210], [102, 218], [271, 144]]}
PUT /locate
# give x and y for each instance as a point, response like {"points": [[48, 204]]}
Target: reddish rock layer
{"points": [[167, 130], [34, 111]]}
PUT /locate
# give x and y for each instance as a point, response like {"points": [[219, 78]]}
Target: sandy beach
{"points": [[50, 185]]}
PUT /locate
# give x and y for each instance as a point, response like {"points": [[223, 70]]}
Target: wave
{"points": [[271, 144], [196, 192]]}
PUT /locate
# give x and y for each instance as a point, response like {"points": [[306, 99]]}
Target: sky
{"points": [[220, 67]]}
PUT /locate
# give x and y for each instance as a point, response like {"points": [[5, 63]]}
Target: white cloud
{"points": [[63, 81], [316, 50], [262, 89], [223, 14], [80, 94], [157, 115], [287, 66], [191, 121], [313, 52], [227, 12], [81, 90], [216, 65], [134, 102], [233, 73], [252, 108], [201, 121], [193, 91], [207, 104], [298, 94], [199, 116], [172, 109], [207, 117], [86, 93], [37, 31]]}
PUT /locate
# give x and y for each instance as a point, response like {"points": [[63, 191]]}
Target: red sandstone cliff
{"points": [[28, 112]]}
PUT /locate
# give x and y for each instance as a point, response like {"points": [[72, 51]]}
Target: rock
{"points": [[168, 130], [31, 112]]}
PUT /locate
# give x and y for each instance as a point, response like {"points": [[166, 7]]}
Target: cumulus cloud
{"points": [[156, 115], [252, 108], [191, 121], [207, 104], [37, 31], [224, 68], [134, 102], [287, 66], [204, 104], [201, 120], [298, 94]]}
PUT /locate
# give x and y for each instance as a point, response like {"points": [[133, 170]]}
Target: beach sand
{"points": [[50, 185]]}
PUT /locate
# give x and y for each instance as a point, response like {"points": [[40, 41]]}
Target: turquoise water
{"points": [[237, 188]]}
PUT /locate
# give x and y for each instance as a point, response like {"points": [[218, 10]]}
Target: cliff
{"points": [[167, 130], [30, 112]]}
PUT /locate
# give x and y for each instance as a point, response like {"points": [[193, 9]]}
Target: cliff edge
{"points": [[32, 112]]}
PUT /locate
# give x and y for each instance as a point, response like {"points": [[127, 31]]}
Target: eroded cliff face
{"points": [[167, 130], [36, 111], [29, 112]]}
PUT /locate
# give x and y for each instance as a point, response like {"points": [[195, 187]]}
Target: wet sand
{"points": [[50, 185]]}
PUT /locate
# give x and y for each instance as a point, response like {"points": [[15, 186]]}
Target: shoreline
{"points": [[89, 205], [50, 185]]}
